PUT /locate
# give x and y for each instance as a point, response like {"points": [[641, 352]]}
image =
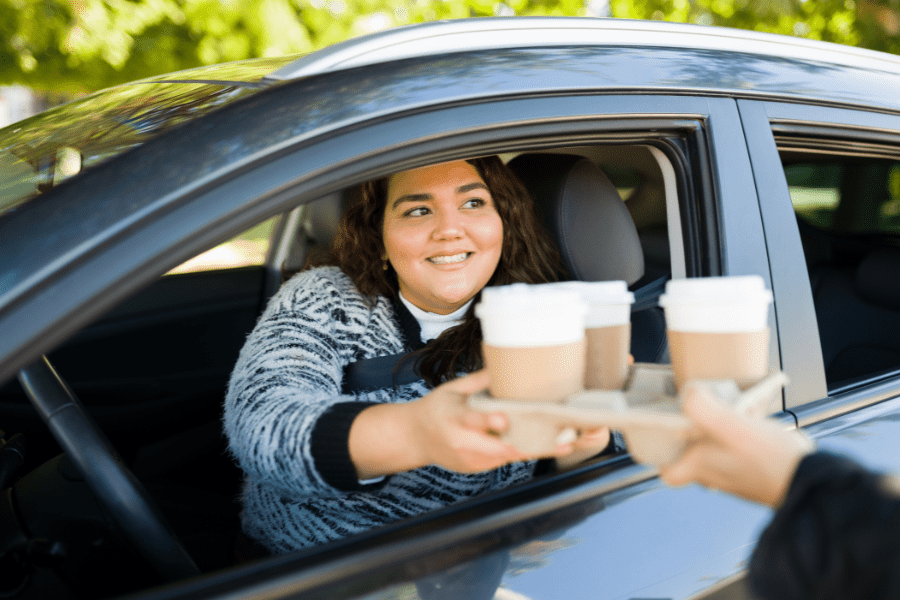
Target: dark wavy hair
{"points": [[528, 256]]}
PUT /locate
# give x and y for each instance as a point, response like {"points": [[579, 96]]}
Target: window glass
{"points": [[872, 187], [17, 182], [626, 180], [247, 249], [815, 191], [848, 213], [889, 217]]}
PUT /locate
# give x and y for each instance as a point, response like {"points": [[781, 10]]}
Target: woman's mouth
{"points": [[449, 259]]}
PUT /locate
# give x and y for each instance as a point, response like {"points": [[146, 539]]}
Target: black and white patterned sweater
{"points": [[288, 423]]}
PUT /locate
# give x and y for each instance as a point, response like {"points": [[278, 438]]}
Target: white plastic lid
{"points": [[609, 302], [522, 315], [717, 304]]}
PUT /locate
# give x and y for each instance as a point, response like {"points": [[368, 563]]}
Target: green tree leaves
{"points": [[873, 24], [74, 46]]}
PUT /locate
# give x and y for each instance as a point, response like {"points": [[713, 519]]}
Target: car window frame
{"points": [[811, 401]]}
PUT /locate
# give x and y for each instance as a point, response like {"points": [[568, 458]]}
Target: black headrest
{"points": [[585, 216]]}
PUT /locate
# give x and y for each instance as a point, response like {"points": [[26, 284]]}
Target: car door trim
{"points": [[801, 352]]}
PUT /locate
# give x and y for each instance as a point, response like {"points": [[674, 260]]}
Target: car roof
{"points": [[487, 33]]}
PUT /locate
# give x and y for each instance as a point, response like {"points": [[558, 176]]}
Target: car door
{"points": [[828, 186]]}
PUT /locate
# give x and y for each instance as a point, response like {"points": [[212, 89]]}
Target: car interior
{"points": [[848, 214], [153, 372]]}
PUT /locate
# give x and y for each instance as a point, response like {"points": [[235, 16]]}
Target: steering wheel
{"points": [[115, 486]]}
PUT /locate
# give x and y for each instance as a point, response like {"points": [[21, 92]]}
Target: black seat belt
{"points": [[380, 372], [647, 296]]}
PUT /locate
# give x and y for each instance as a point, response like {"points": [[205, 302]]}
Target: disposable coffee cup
{"points": [[718, 328], [533, 341], [607, 331]]}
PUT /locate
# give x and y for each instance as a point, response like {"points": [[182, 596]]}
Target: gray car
{"points": [[143, 228]]}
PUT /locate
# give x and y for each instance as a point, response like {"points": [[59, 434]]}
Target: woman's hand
{"points": [[752, 458], [453, 436], [587, 445], [437, 429]]}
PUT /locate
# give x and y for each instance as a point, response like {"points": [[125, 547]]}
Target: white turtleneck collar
{"points": [[433, 324]]}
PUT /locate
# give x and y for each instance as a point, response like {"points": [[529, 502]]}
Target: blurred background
{"points": [[52, 51]]}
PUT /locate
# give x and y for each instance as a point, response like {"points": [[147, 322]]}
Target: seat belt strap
{"points": [[380, 372], [647, 296]]}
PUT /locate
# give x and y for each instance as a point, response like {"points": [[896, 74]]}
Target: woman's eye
{"points": [[419, 211], [475, 203]]}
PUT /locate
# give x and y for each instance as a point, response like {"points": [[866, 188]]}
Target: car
{"points": [[143, 229]]}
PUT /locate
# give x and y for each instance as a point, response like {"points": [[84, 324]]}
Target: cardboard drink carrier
{"points": [[647, 412]]}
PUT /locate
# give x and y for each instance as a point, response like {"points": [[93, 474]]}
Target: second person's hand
{"points": [[748, 457]]}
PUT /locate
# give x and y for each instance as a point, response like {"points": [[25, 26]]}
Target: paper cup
{"points": [[533, 341], [607, 330], [718, 328]]}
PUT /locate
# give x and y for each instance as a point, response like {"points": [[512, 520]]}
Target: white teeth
{"points": [[446, 260]]}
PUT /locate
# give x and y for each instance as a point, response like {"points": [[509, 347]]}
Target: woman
{"points": [[407, 266]]}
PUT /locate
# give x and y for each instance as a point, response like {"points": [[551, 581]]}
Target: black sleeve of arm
{"points": [[836, 536], [330, 448]]}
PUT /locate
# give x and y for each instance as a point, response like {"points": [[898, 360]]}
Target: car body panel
{"points": [[444, 37]]}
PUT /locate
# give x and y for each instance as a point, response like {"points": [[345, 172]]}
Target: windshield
{"points": [[39, 153]]}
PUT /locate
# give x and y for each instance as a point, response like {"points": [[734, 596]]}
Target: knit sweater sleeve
{"points": [[289, 374]]}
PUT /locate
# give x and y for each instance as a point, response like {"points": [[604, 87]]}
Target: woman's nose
{"points": [[448, 225]]}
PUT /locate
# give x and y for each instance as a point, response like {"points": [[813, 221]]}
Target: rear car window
{"points": [[848, 214]]}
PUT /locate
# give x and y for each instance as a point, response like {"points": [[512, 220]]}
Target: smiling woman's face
{"points": [[442, 234]]}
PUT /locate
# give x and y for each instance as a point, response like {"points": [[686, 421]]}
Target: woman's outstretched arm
{"points": [[437, 429]]}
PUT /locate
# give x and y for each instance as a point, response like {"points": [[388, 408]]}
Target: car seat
{"points": [[595, 233]]}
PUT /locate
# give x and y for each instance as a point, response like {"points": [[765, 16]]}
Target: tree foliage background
{"points": [[75, 46]]}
